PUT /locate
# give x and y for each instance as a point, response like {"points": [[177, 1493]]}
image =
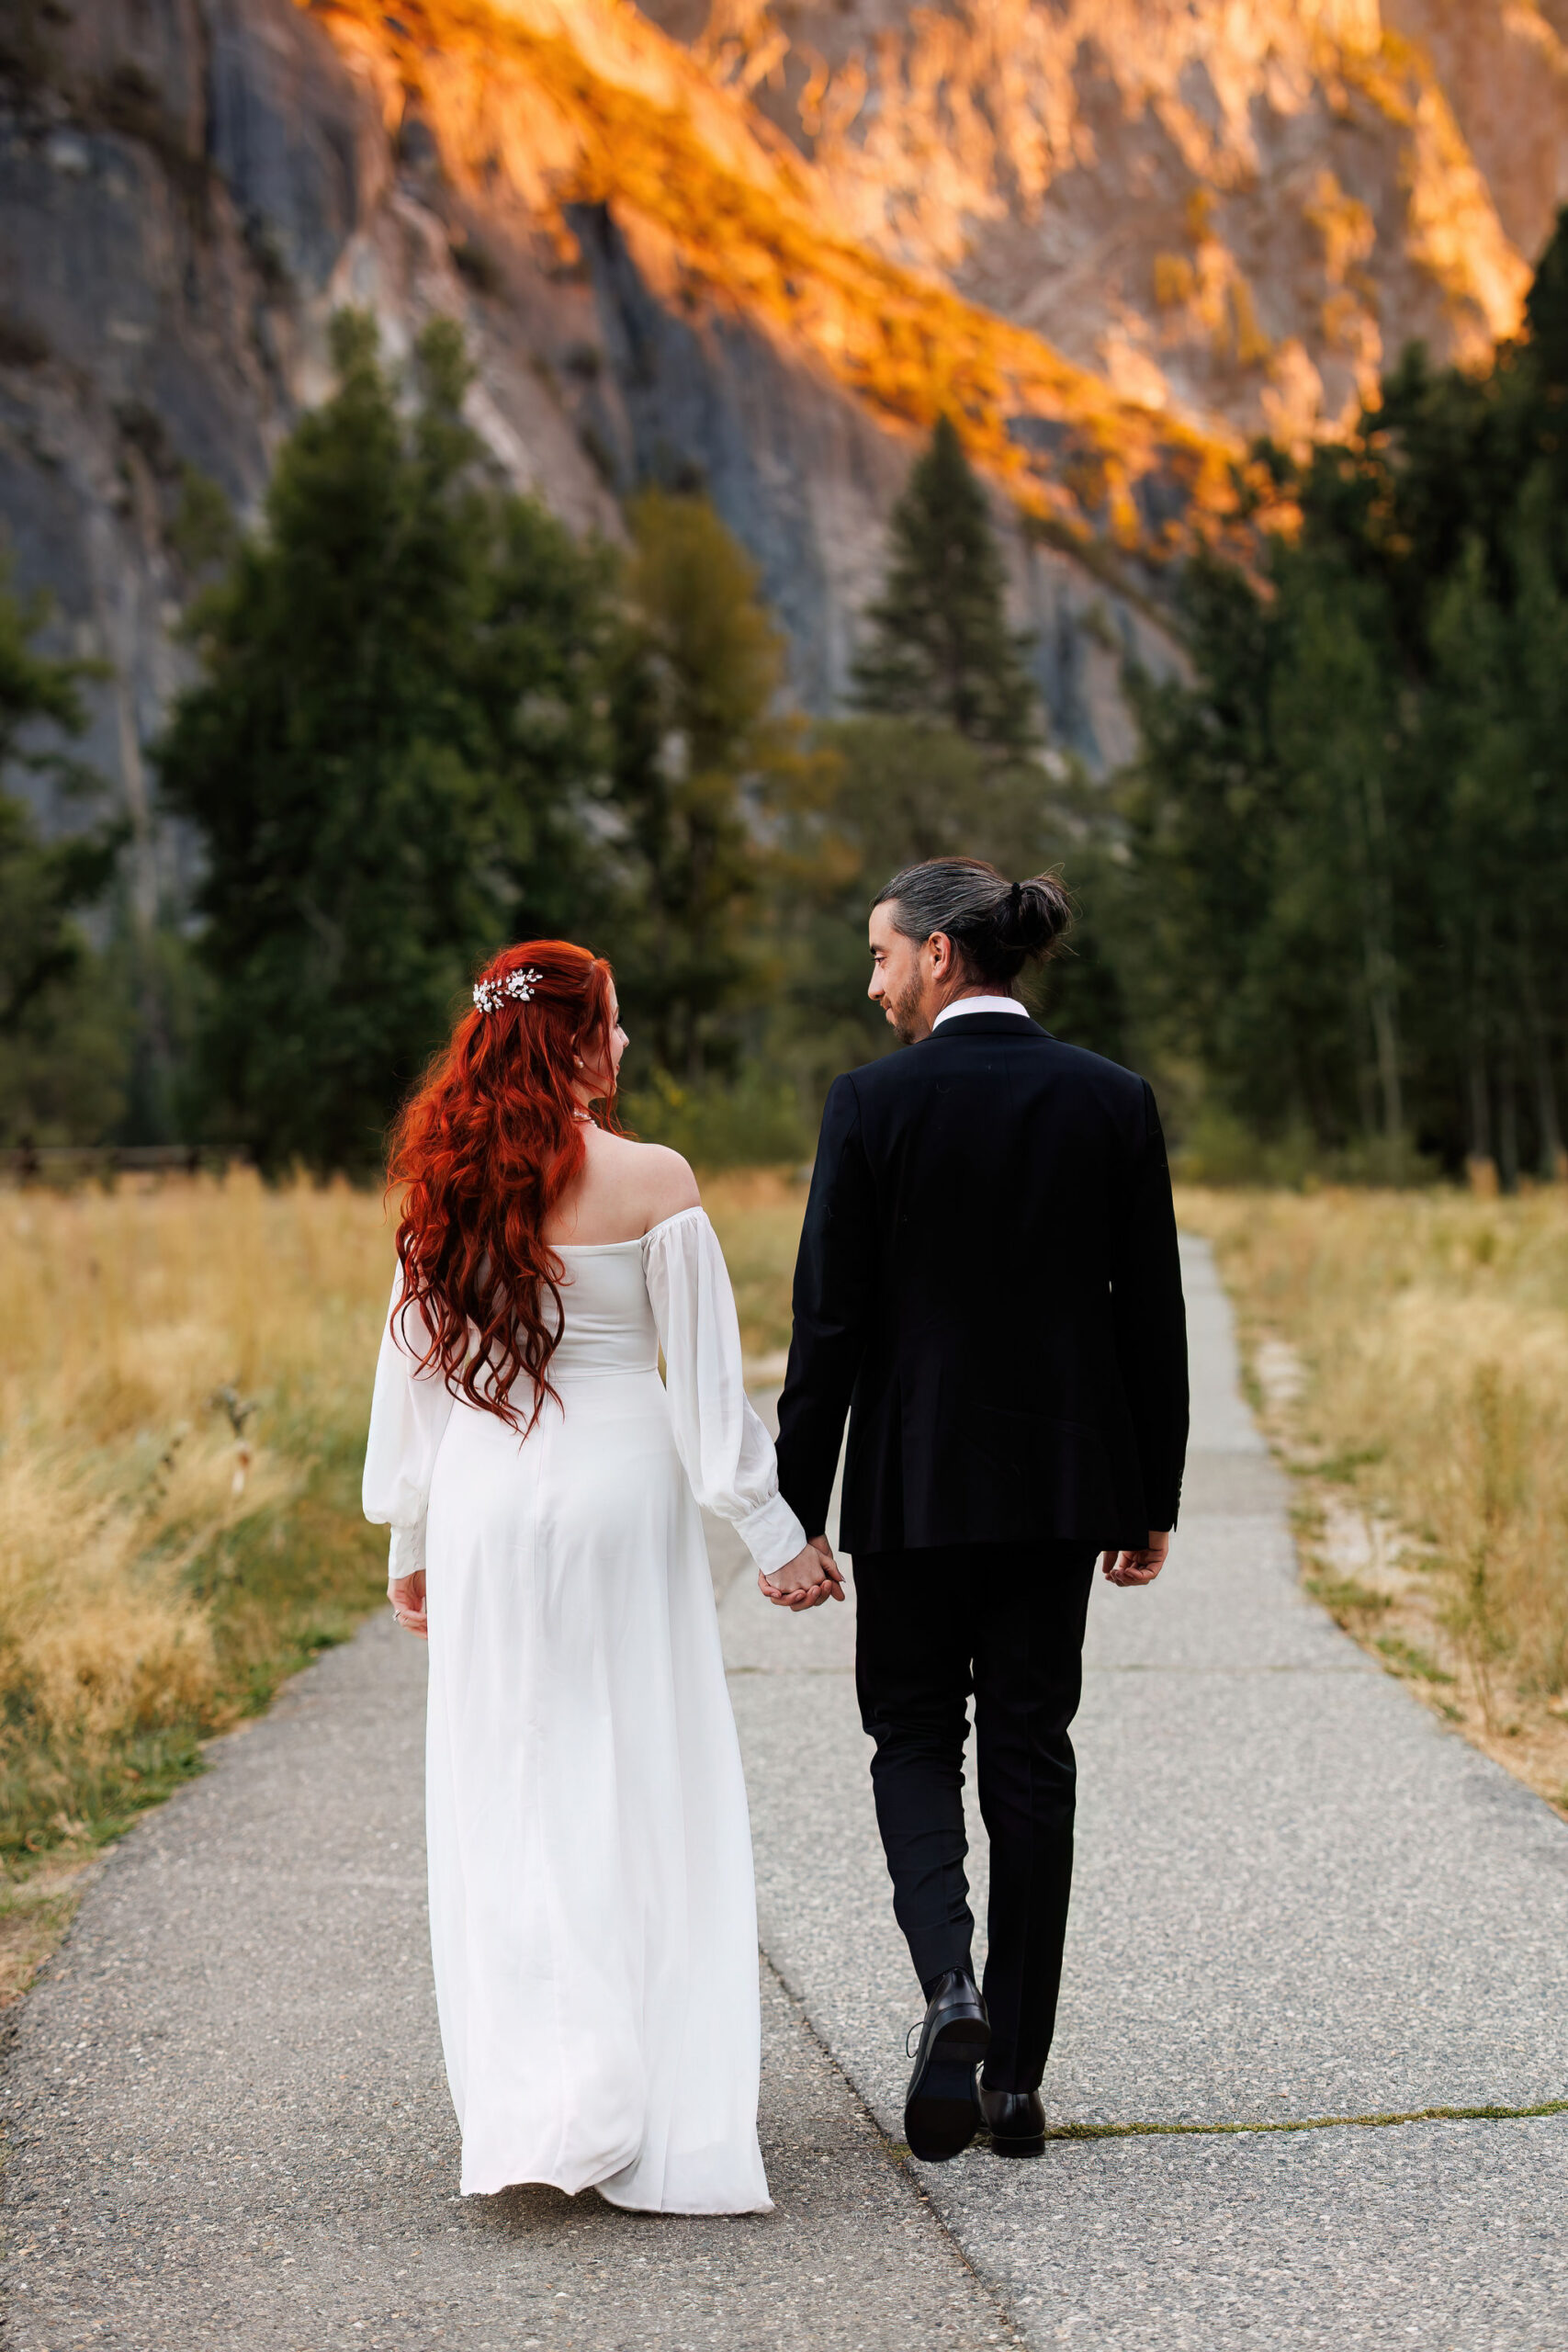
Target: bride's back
{"points": [[626, 1188]]}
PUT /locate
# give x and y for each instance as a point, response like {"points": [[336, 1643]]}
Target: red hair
{"points": [[485, 1148]]}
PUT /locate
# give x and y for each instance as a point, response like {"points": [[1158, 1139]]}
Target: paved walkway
{"points": [[1297, 1898]]}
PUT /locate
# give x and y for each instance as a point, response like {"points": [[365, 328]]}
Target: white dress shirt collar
{"points": [[980, 1004]]}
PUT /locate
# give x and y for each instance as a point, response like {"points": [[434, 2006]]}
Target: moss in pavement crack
{"points": [[1304, 2122]]}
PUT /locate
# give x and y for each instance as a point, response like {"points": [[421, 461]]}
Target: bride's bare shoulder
{"points": [[657, 1178]]}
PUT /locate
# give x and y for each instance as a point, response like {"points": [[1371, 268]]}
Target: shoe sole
{"points": [[1017, 2147], [943, 2116]]}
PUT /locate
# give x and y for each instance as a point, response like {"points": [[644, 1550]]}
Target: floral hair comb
{"points": [[490, 995]]}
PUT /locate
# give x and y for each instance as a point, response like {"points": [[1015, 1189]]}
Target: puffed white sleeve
{"points": [[727, 1452], [409, 1414]]}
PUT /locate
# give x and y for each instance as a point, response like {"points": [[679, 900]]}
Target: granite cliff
{"points": [[752, 247], [1241, 209]]}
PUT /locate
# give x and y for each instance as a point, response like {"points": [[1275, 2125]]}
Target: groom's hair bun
{"points": [[998, 926]]}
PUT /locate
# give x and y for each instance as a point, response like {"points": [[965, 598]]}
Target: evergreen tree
{"points": [[385, 756], [1351, 830], [63, 1049], [939, 647], [694, 682], [885, 793]]}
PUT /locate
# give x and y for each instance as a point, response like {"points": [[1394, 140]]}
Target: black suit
{"points": [[988, 1284]]}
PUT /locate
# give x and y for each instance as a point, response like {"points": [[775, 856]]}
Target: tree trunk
{"points": [[1483, 1167], [1554, 1162], [1383, 977], [1507, 1117]]}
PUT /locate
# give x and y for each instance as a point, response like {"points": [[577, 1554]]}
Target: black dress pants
{"points": [[1005, 1621]]}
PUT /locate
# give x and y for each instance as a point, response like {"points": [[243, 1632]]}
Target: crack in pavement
{"points": [[227, 2122], [1305, 2123], [1294, 1889]]}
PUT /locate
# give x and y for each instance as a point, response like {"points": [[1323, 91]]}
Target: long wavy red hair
{"points": [[486, 1147]]}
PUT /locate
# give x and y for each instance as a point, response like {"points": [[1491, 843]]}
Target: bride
{"points": [[591, 1910]]}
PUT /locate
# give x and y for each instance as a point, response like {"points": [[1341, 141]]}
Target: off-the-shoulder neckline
{"points": [[594, 1249]]}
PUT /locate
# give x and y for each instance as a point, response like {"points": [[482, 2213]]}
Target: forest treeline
{"points": [[424, 718], [1349, 836]]}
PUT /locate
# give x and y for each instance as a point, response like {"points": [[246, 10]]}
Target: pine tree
{"points": [[1351, 833], [62, 1048], [1546, 313], [939, 647], [692, 690], [385, 756]]}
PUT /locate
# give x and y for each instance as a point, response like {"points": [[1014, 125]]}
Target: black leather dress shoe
{"points": [[1016, 2121], [941, 2114]]}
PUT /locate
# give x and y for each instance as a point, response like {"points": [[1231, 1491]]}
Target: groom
{"points": [[988, 1284]]}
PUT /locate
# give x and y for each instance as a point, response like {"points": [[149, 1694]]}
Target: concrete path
{"points": [[1297, 1898], [228, 2125]]}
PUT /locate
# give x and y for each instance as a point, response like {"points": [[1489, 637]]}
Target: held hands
{"points": [[407, 1596], [806, 1581], [1137, 1567]]}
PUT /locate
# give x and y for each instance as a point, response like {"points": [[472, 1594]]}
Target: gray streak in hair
{"points": [[998, 926]]}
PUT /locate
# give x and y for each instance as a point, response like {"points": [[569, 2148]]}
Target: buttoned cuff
{"points": [[773, 1534], [406, 1557]]}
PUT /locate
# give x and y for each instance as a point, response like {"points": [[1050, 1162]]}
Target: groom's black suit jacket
{"points": [[988, 1282]]}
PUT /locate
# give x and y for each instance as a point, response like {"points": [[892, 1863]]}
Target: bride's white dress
{"points": [[592, 1909]]}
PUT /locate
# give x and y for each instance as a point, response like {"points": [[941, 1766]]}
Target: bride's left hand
{"points": [[407, 1596], [806, 1581]]}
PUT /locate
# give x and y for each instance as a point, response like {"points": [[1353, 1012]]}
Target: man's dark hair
{"points": [[998, 926]]}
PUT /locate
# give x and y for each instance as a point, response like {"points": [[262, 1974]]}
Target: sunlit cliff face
{"points": [[537, 107], [1112, 238], [1246, 207]]}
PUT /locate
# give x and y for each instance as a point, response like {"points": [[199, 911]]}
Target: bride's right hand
{"points": [[806, 1581]]}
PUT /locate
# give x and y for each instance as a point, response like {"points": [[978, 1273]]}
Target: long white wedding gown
{"points": [[592, 1908]]}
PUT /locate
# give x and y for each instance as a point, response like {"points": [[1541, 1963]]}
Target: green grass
{"points": [[1345, 1596], [1371, 2122], [280, 1586], [1406, 1658]]}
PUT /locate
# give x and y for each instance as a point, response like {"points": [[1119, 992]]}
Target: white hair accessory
{"points": [[490, 995]]}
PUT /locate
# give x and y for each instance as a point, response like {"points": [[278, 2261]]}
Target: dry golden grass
{"points": [[37, 1906], [757, 1214], [1430, 1430], [160, 1573], [183, 1379], [160, 1567], [607, 113]]}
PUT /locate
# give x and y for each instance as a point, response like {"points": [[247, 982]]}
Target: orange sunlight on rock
{"points": [[538, 108]]}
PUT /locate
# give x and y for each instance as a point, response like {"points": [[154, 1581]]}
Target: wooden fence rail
{"points": [[45, 1163]]}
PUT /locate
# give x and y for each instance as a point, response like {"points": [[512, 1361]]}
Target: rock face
{"points": [[188, 188], [1245, 207], [745, 246]]}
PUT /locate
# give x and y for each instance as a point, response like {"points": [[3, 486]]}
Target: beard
{"points": [[904, 1011]]}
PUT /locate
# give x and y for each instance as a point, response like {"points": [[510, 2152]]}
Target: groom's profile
{"points": [[988, 1285]]}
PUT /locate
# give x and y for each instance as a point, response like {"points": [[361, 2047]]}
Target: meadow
{"points": [[1409, 1355], [184, 1375], [184, 1380]]}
